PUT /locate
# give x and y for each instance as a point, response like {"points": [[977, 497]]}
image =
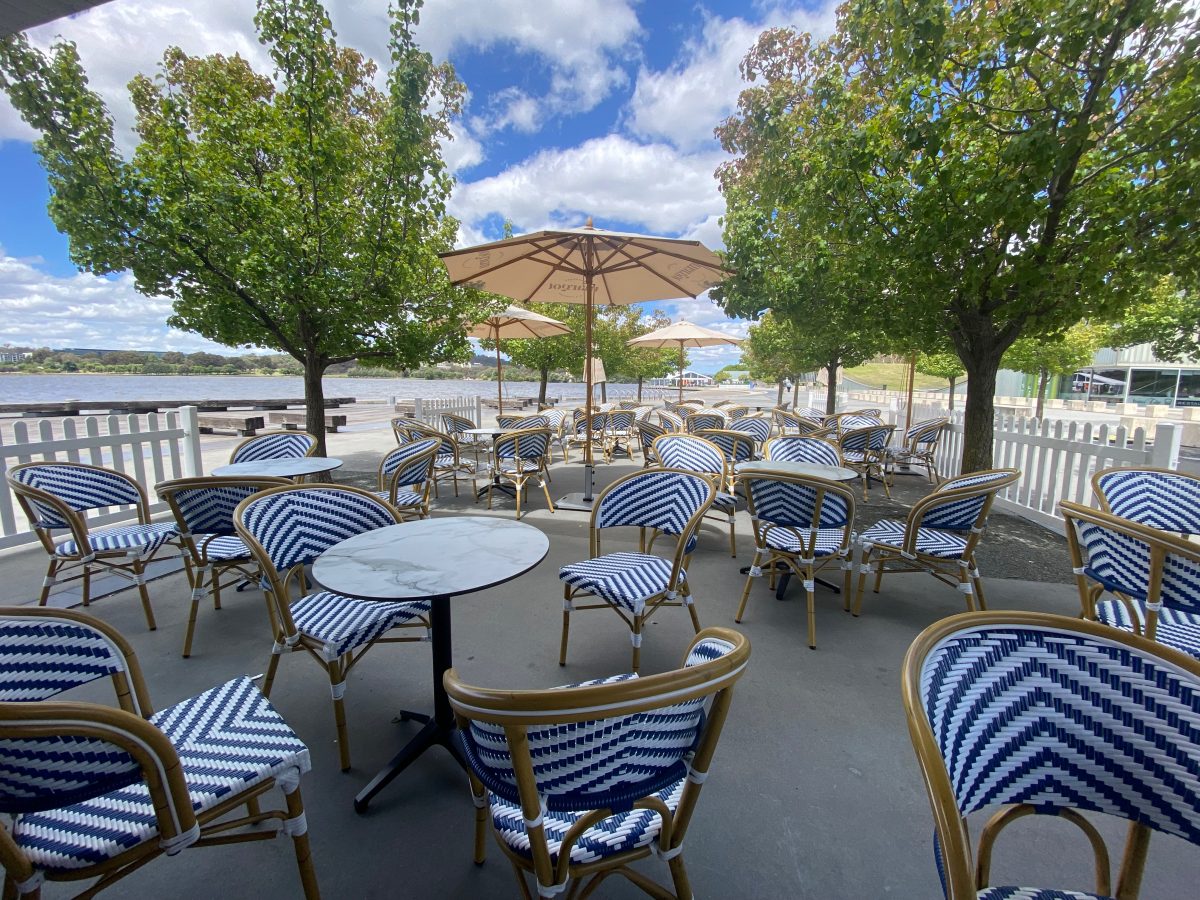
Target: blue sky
{"points": [[575, 108]]}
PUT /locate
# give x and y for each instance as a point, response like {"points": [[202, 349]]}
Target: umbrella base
{"points": [[576, 501]]}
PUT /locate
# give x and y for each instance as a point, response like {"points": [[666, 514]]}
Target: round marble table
{"points": [[289, 467], [795, 467], [433, 559], [496, 484]]}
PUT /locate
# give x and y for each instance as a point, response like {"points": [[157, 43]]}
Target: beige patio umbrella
{"points": [[513, 323], [683, 334], [589, 266]]}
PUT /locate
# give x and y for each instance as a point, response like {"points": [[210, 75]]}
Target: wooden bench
{"points": [[246, 426], [299, 420]]}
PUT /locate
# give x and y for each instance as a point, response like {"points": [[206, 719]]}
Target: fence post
{"points": [[1165, 453], [478, 411], [418, 409], [193, 462]]}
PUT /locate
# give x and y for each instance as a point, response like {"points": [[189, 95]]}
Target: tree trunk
{"points": [[779, 393], [1043, 381], [978, 422], [545, 373], [951, 404], [604, 392], [795, 391], [314, 401], [639, 396], [831, 388]]}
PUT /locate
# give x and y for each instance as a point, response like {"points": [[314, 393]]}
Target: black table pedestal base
{"points": [[785, 576]]}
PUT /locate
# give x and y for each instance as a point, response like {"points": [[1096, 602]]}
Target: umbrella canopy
{"points": [[514, 322], [683, 334], [587, 265]]}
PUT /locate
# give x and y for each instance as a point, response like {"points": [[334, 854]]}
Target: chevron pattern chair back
{"points": [[510, 422], [290, 526], [205, 505], [962, 503], [736, 446], [400, 429], [55, 490], [538, 420], [410, 464], [811, 413], [598, 420], [1158, 498], [668, 500], [627, 404], [758, 427], [545, 755], [869, 438], [797, 501], [1052, 714], [523, 444], [737, 412], [874, 412], [670, 421], [455, 424], [796, 448], [648, 433], [925, 433], [703, 420], [692, 453], [857, 420], [280, 445], [619, 421]]}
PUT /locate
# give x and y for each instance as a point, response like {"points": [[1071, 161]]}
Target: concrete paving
{"points": [[815, 791]]}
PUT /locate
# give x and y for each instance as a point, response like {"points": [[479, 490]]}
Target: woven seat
{"points": [[1025, 893], [635, 774], [449, 463], [56, 496], [406, 474], [286, 529], [939, 536], [521, 457], [1174, 628], [635, 585], [401, 498], [203, 509], [693, 453], [1017, 713], [97, 791], [828, 540]]}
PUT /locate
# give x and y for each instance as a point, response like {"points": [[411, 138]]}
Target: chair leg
{"points": [[635, 637], [490, 483], [308, 877], [269, 677], [216, 588], [479, 796], [139, 571], [810, 590], [86, 585], [977, 583], [48, 582], [679, 877], [964, 585], [847, 572], [562, 647], [741, 610], [864, 562], [517, 487], [337, 687], [685, 592], [197, 593], [732, 538], [546, 491]]}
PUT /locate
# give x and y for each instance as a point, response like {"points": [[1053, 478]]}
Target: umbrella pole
{"points": [[912, 376], [681, 371], [587, 356], [499, 377]]}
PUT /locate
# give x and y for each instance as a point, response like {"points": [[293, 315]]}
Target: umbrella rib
{"points": [[684, 291], [535, 249], [665, 252]]}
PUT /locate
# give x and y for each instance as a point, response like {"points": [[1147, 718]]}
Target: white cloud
{"points": [[510, 108], [82, 310], [683, 103], [649, 185], [462, 151]]}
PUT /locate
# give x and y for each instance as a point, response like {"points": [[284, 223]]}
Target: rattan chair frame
{"points": [[86, 561], [1159, 544], [875, 460], [516, 710], [671, 420], [737, 439], [648, 433], [127, 727], [964, 873], [720, 481], [914, 453], [441, 470], [312, 448], [675, 584], [473, 442], [804, 565], [390, 483], [577, 433], [288, 639], [962, 573], [691, 426], [616, 440], [198, 566], [519, 476]]}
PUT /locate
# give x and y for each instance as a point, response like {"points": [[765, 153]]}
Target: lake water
{"points": [[51, 388]]}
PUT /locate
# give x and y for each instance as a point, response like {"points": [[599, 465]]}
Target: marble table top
{"points": [[485, 432], [791, 467], [430, 557], [290, 467]]}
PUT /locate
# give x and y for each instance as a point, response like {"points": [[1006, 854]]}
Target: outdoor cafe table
{"points": [[803, 469], [497, 484], [288, 467], [433, 559]]}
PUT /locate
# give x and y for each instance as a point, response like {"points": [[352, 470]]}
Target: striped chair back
{"points": [[538, 420], [279, 445], [510, 422], [531, 443], [856, 420], [642, 413], [962, 503], [1027, 708], [692, 453], [670, 421], [798, 503], [794, 448], [669, 500], [702, 420], [758, 427], [620, 421], [455, 424], [409, 464], [290, 526], [205, 505], [554, 417], [627, 404], [737, 412], [874, 412], [867, 439], [925, 432], [811, 413], [1158, 498], [647, 434], [736, 446], [400, 429], [53, 491], [598, 420]]}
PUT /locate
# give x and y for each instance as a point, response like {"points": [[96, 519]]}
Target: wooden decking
{"points": [[79, 407]]}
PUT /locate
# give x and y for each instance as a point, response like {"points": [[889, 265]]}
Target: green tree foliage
{"points": [[992, 169], [301, 210], [942, 364], [775, 351], [1058, 355], [1168, 319]]}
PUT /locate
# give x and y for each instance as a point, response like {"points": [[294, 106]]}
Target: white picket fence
{"points": [[151, 448], [429, 409]]}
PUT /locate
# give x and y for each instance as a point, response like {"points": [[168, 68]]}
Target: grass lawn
{"points": [[893, 375]]}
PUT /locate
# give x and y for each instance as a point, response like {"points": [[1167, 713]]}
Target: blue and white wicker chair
{"points": [[648, 433], [737, 447], [450, 464], [736, 412], [939, 536], [703, 420], [920, 446], [811, 413], [670, 421], [696, 454], [1034, 714], [520, 457], [571, 796], [578, 436], [1153, 575], [789, 423], [1158, 498], [850, 421], [864, 449], [203, 509], [758, 427], [618, 433], [804, 523], [510, 422], [276, 445], [795, 448], [627, 404], [635, 585], [286, 529], [94, 791], [54, 497], [405, 476], [456, 427]]}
